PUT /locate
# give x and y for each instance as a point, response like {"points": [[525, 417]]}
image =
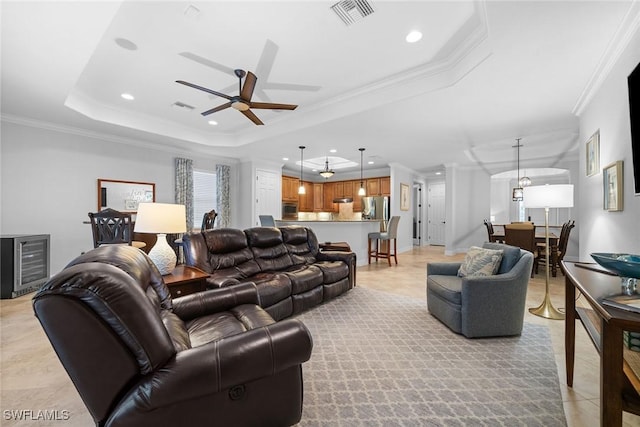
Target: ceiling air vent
{"points": [[351, 11], [182, 105]]}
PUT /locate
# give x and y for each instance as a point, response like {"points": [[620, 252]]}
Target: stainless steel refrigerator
{"points": [[376, 208]]}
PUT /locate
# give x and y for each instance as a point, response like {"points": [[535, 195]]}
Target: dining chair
{"points": [[522, 235], [112, 227], [560, 250], [267, 221], [208, 220], [490, 231], [389, 235]]}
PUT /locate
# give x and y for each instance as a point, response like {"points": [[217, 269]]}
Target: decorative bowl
{"points": [[625, 265]]}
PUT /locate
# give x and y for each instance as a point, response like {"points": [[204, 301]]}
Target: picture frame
{"points": [[404, 197], [124, 196], [593, 154], [612, 185]]}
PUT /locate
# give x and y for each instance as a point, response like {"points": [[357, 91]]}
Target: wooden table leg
{"points": [[554, 258], [611, 375], [569, 329]]}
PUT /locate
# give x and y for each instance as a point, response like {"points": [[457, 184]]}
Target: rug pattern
{"points": [[382, 360]]}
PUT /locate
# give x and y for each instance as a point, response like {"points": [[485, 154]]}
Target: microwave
{"points": [[289, 210]]}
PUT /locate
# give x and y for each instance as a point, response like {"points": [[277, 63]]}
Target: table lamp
{"points": [[161, 219], [548, 196]]}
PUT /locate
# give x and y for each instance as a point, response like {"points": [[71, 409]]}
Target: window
{"points": [[204, 195]]}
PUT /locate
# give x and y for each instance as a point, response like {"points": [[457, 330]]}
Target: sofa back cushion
{"points": [[301, 242], [229, 254], [268, 248]]}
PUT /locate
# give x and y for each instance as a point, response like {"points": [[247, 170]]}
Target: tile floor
{"points": [[32, 378]]}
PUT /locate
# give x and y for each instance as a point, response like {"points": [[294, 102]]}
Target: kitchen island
{"points": [[352, 231]]}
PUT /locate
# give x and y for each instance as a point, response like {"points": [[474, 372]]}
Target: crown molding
{"points": [[101, 136], [621, 39]]}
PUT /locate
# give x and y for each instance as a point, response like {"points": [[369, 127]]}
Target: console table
{"points": [[619, 367]]}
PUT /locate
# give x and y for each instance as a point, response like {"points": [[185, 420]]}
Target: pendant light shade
{"points": [[361, 191], [517, 192], [326, 173], [301, 189]]}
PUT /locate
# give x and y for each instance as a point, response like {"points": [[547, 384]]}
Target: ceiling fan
{"points": [[241, 102]]}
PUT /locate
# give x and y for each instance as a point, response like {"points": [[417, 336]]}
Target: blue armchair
{"points": [[485, 306]]}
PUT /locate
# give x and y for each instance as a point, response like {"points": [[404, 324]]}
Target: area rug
{"points": [[382, 360]]}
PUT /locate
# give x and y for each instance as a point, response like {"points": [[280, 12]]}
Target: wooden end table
{"points": [[185, 280]]}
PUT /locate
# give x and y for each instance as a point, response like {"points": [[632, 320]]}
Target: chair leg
{"points": [[369, 250], [389, 252], [377, 249], [395, 251]]}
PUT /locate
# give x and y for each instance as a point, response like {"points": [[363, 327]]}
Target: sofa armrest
{"points": [[221, 282], [347, 257], [443, 268], [221, 364], [215, 300]]}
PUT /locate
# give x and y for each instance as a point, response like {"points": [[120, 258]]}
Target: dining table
{"points": [[498, 237]]}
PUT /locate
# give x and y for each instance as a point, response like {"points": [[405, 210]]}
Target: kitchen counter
{"points": [[354, 232]]}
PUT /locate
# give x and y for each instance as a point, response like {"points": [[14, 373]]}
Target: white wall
{"points": [[467, 204], [608, 110], [402, 175], [49, 182]]}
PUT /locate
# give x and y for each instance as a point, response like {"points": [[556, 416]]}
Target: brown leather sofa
{"points": [[285, 264], [139, 358]]}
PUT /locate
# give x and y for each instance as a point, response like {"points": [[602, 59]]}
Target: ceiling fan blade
{"points": [[272, 106], [252, 117], [249, 86], [204, 89], [218, 108]]}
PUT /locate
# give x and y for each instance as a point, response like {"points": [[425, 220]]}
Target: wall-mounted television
{"points": [[634, 115]]}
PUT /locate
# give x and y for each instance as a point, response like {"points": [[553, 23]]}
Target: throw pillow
{"points": [[480, 262]]}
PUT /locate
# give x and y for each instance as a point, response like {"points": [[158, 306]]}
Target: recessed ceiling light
{"points": [[285, 158], [127, 96], [314, 170], [213, 123], [370, 162], [413, 36], [438, 173], [333, 150]]}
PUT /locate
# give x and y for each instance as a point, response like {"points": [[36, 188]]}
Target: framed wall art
{"points": [[404, 197], [593, 154], [612, 187]]}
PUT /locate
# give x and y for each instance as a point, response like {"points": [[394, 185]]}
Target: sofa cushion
{"points": [[449, 288], [296, 239], [304, 278], [510, 255], [272, 287], [268, 249], [229, 254], [332, 271], [203, 330], [480, 262]]}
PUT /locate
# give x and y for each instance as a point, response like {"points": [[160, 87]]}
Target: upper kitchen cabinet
{"points": [[379, 186], [290, 189], [318, 197], [329, 192]]}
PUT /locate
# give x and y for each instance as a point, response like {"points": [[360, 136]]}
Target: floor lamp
{"points": [[548, 196]]}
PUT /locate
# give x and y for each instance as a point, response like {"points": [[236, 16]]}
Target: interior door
{"points": [[436, 213], [268, 199]]}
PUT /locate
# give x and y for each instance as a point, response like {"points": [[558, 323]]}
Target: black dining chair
{"points": [[112, 227], [208, 220]]}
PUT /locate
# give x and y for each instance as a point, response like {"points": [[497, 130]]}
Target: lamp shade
{"points": [[549, 196], [161, 218]]}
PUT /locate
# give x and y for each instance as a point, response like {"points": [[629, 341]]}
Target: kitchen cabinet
{"points": [[318, 197], [385, 186], [305, 202], [329, 192], [289, 189], [379, 186], [357, 200]]}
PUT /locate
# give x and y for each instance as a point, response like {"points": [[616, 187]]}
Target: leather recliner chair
{"points": [[139, 358]]}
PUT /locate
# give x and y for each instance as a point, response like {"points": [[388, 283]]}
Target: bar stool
{"points": [[390, 234]]}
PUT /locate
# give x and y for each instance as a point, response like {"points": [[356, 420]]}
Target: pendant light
{"points": [[301, 189], [326, 173], [517, 193], [361, 191]]}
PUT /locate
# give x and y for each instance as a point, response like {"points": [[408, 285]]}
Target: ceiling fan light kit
{"points": [[242, 102]]}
